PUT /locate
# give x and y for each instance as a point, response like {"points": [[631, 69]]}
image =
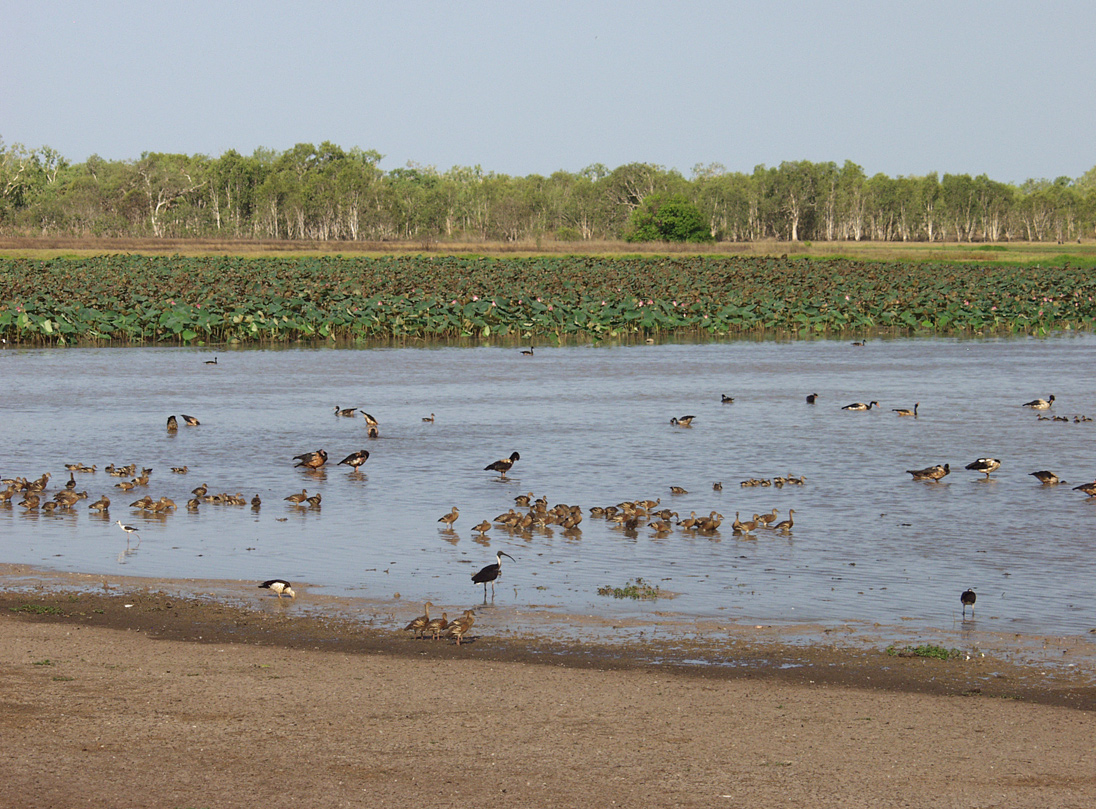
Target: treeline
{"points": [[326, 192]]}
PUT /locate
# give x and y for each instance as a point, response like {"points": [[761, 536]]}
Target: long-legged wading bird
{"points": [[129, 529], [450, 518], [503, 465], [279, 587], [490, 573], [967, 599]]}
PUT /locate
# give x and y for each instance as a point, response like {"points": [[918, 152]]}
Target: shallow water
{"points": [[592, 426]]}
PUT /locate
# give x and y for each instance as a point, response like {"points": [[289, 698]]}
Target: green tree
{"points": [[669, 218]]}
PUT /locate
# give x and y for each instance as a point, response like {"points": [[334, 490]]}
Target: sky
{"points": [[1003, 88]]}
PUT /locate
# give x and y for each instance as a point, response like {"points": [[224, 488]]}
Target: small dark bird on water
{"points": [[211, 362], [726, 399], [490, 573], [811, 397], [967, 598], [355, 459], [527, 352], [279, 587], [311, 460], [503, 465]]}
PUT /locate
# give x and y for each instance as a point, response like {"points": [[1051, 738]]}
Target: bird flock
{"points": [[529, 512]]}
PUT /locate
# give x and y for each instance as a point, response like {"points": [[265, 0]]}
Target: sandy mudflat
{"points": [[172, 702]]}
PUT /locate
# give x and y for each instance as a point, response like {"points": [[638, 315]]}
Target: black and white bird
{"points": [[503, 465], [348, 412], [1040, 404], [905, 411], [490, 573], [684, 421], [861, 406], [811, 398], [984, 465], [355, 459], [129, 530], [279, 587], [967, 598]]}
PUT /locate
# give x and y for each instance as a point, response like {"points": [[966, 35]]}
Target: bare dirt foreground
{"points": [[173, 702]]}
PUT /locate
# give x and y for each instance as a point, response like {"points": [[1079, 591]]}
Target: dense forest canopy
{"points": [[326, 192]]}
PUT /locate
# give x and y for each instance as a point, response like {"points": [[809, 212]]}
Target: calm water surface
{"points": [[592, 426]]}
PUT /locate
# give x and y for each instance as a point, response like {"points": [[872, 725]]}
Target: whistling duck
{"points": [[298, 498], [483, 527], [503, 466], [279, 587], [785, 525], [102, 504], [180, 470], [460, 627], [450, 518], [437, 625], [678, 490], [766, 520], [190, 421], [933, 473], [418, 625]]}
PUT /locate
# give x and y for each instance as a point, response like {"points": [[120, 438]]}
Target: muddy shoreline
{"points": [[162, 614]]}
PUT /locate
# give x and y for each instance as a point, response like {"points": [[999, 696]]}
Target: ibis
{"points": [[490, 573]]}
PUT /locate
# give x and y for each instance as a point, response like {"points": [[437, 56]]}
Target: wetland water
{"points": [[870, 546]]}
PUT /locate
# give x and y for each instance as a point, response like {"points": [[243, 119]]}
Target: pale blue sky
{"points": [[1002, 88]]}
